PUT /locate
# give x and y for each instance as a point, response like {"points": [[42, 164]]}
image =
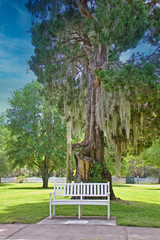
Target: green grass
{"points": [[29, 203]]}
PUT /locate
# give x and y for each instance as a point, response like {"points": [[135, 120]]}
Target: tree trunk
{"points": [[45, 178], [69, 167], [91, 150], [44, 170]]}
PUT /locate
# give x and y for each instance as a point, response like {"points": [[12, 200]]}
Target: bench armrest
{"points": [[52, 193], [52, 196]]}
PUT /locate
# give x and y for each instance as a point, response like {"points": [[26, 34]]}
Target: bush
{"points": [[95, 173], [21, 179]]}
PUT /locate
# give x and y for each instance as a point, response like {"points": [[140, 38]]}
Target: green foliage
{"points": [[151, 156], [21, 179], [123, 170], [27, 172], [58, 62], [38, 138], [95, 172], [154, 20], [121, 23], [62, 34], [141, 82], [141, 87], [4, 135], [138, 166]]}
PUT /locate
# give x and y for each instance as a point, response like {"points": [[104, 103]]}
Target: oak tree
{"points": [[77, 50]]}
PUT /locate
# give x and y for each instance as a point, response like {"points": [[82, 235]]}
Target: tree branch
{"points": [[83, 8]]}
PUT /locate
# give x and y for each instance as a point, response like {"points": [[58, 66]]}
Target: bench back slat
{"points": [[81, 189]]}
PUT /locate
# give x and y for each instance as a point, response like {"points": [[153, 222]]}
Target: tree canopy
{"points": [[4, 136], [77, 50], [151, 155], [37, 135]]}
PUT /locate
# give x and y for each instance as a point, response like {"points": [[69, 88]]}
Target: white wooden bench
{"points": [[80, 190]]}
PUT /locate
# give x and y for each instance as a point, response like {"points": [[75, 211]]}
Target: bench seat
{"points": [[80, 202], [87, 194]]}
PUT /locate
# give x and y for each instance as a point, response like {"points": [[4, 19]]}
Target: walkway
{"points": [[73, 229]]}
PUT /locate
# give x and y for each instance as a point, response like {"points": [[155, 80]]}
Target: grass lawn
{"points": [[29, 203]]}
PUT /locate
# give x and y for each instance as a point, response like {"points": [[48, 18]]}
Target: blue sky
{"points": [[15, 48]]}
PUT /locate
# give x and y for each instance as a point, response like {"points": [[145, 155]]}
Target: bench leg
{"points": [[108, 212], [50, 211], [108, 207], [79, 212], [54, 212]]}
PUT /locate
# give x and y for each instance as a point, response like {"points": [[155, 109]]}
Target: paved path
{"points": [[75, 232]]}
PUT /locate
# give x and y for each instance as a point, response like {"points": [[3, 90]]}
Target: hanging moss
{"points": [[122, 106], [76, 112]]}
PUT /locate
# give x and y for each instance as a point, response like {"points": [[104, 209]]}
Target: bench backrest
{"points": [[82, 189]]}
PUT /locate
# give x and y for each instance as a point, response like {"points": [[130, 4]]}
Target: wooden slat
{"points": [[67, 189], [81, 189], [61, 189], [74, 189], [105, 187], [64, 187], [78, 189], [57, 189], [97, 189], [94, 189], [71, 189], [87, 189], [101, 189]]}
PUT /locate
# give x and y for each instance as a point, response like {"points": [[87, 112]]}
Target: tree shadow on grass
{"points": [[5, 184], [33, 212], [122, 185], [153, 189], [31, 188]]}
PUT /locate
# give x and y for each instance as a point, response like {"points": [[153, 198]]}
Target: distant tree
{"points": [[137, 167], [152, 155], [4, 135], [37, 135]]}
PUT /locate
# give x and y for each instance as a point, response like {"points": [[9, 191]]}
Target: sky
{"points": [[15, 48]]}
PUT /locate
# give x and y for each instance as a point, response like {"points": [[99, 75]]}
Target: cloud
{"points": [[15, 48], [14, 54]]}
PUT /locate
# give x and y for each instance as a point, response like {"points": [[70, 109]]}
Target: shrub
{"points": [[21, 179], [95, 172]]}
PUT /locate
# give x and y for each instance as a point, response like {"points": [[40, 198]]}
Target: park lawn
{"points": [[29, 203]]}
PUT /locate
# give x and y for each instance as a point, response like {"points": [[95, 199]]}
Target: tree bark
{"points": [[91, 149], [44, 170], [69, 148], [45, 178]]}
